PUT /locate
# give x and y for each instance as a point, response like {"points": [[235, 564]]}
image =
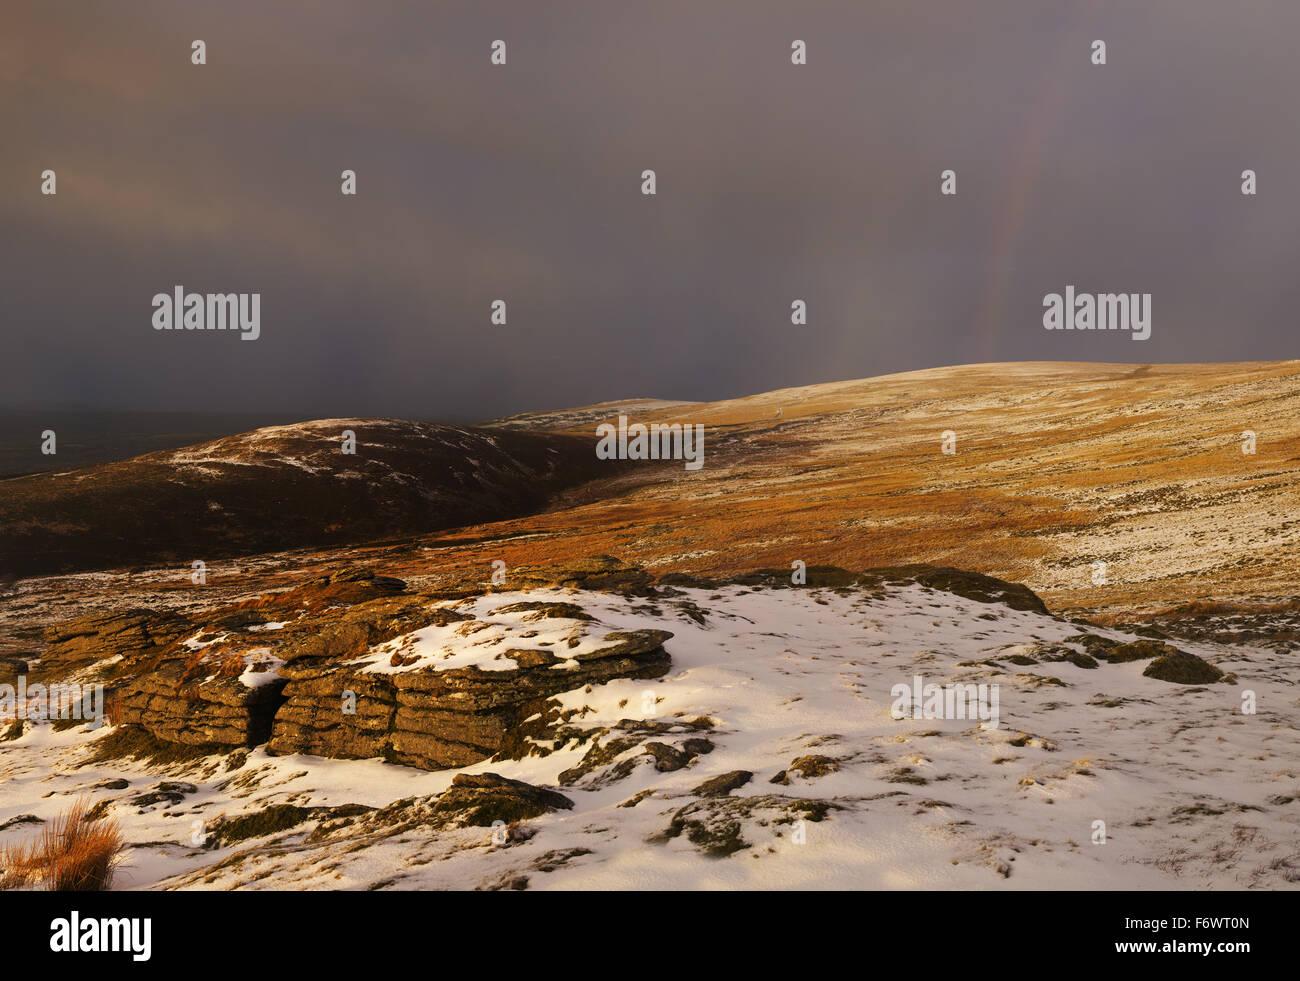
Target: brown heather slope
{"points": [[1058, 465]]}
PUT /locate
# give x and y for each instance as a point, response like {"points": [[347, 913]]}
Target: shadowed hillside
{"points": [[279, 488]]}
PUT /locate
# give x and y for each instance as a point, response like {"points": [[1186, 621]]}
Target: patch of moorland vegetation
{"points": [[268, 821], [809, 767], [1210, 608], [1183, 669], [132, 742], [714, 824]]}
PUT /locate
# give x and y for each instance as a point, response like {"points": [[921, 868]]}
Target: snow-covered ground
{"points": [[1193, 792]]}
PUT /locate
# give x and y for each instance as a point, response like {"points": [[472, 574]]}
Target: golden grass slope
{"points": [[1058, 465]]}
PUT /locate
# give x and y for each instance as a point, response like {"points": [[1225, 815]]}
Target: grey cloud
{"points": [[775, 182]]}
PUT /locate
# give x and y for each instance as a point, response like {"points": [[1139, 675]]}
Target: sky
{"points": [[522, 182]]}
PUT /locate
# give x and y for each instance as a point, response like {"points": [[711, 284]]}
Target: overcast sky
{"points": [[523, 182]]}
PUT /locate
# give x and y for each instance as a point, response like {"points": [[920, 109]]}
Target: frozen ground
{"points": [[1193, 792]]}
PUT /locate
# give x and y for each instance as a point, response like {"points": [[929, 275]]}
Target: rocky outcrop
{"points": [[723, 784], [715, 824], [601, 572], [218, 712], [132, 635], [605, 761], [433, 718], [352, 665], [340, 588], [354, 631], [197, 693], [959, 582], [311, 683]]}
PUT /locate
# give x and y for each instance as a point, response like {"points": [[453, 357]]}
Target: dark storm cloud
{"points": [[522, 183]]}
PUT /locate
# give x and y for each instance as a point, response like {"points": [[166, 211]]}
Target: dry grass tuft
{"points": [[75, 853]]}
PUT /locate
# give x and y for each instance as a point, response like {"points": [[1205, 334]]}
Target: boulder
{"points": [[723, 784], [481, 799]]}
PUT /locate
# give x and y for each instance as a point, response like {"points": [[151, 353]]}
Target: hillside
{"points": [[1058, 466], [645, 694], [277, 488]]}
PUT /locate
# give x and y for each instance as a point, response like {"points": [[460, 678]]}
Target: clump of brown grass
{"points": [[75, 853]]}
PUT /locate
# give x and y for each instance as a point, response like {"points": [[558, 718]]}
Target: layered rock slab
{"points": [[435, 718], [215, 712]]}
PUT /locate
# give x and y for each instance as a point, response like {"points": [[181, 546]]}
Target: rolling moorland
{"points": [[624, 718]]}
